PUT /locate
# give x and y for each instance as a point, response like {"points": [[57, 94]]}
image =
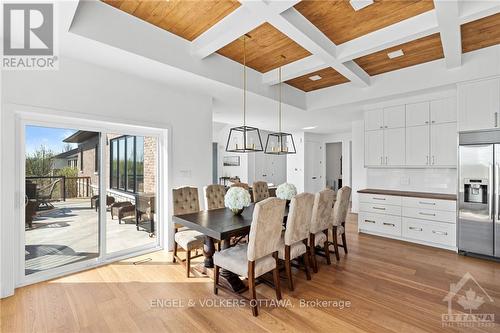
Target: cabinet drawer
{"points": [[377, 208], [430, 214], [386, 224], [429, 231], [391, 226], [380, 199], [447, 205], [368, 222]]}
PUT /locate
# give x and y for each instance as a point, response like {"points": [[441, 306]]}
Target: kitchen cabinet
{"points": [[443, 111], [417, 145], [374, 120], [417, 114], [390, 117], [443, 150], [394, 147], [479, 105], [374, 148]]}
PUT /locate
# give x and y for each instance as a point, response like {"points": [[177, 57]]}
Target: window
{"points": [[127, 163]]}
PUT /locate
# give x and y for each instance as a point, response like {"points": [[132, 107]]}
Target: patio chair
{"points": [[94, 201], [29, 211], [44, 195], [122, 209]]}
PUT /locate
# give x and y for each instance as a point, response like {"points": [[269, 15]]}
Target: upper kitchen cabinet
{"points": [[479, 105], [417, 114], [390, 117], [443, 111]]}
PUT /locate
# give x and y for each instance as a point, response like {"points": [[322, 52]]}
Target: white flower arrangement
{"points": [[286, 191], [237, 198]]}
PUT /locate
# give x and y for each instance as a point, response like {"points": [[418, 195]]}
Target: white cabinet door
{"points": [[394, 116], [479, 104], [444, 144], [374, 120], [417, 146], [374, 148], [417, 114], [443, 111], [394, 146]]}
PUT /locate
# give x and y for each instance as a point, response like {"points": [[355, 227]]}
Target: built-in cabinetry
{"points": [[479, 105], [421, 134], [414, 219]]}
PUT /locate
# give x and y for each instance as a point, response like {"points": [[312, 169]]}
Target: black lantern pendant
{"points": [[244, 139], [280, 143]]}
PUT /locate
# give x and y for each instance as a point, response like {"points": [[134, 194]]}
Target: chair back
{"points": [[260, 191], [341, 205], [244, 185], [265, 231], [299, 218], [185, 200], [322, 210], [214, 196]]}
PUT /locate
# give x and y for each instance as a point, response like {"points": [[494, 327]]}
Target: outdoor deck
{"points": [[69, 233]]}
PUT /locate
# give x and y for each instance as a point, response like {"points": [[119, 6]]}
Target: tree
{"points": [[40, 162]]}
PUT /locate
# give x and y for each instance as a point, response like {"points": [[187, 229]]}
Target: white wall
{"points": [[359, 172], [92, 92]]}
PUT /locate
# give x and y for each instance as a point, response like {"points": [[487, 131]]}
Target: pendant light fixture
{"points": [[244, 139], [280, 143]]}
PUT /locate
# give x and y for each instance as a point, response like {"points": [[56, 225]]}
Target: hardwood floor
{"points": [[392, 287]]}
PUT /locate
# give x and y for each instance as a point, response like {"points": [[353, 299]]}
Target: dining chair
{"points": [[340, 210], [185, 202], [294, 241], [243, 185], [214, 196], [260, 254], [260, 191], [320, 224]]}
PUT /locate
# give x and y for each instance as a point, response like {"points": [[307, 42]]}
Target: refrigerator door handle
{"points": [[492, 191]]}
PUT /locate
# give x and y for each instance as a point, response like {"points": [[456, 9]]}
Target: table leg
{"points": [[229, 279], [208, 252]]}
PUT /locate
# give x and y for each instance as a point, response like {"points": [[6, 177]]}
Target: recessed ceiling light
{"points": [[309, 127], [315, 78], [395, 54], [360, 4]]}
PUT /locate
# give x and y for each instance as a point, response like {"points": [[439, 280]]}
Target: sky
{"points": [[52, 138]]}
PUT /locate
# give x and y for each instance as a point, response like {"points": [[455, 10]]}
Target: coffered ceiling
{"points": [[329, 40]]}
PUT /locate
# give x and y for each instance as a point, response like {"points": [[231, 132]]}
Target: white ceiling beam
{"points": [[304, 33], [295, 69], [447, 14], [232, 27]]}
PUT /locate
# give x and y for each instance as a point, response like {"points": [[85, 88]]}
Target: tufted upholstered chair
{"points": [[339, 216], [244, 185], [260, 254], [214, 196], [260, 191], [294, 241], [185, 202], [320, 224]]}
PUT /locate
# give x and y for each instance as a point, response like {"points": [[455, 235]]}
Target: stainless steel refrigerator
{"points": [[479, 193]]}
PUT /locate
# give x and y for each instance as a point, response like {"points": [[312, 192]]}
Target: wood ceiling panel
{"points": [[415, 52], [341, 23], [265, 48], [481, 33], [329, 77], [184, 18]]}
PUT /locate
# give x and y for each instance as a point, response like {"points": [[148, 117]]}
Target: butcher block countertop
{"points": [[428, 195]]}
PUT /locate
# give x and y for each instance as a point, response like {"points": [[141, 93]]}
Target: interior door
{"points": [[314, 161]]}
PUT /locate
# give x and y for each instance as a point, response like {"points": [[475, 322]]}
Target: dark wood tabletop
{"points": [[219, 224], [428, 195]]}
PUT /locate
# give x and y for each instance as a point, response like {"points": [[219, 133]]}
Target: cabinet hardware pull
{"points": [[427, 214], [496, 119], [439, 232], [391, 224], [427, 203], [415, 228], [433, 122], [386, 159], [378, 208], [426, 121], [427, 163], [369, 221], [432, 159], [381, 160], [378, 198], [381, 126]]}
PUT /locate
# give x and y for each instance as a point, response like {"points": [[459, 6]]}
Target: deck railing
{"points": [[58, 187]]}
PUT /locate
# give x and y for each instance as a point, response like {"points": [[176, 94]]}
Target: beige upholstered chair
{"points": [[260, 191], [185, 202], [214, 196], [260, 254], [244, 185], [294, 241], [339, 216], [320, 223]]}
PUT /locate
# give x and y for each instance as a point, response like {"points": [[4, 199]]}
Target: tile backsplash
{"points": [[420, 180]]}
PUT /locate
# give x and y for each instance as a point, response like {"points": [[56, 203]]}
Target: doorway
{"points": [[334, 172]]}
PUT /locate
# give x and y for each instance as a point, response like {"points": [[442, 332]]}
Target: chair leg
{"points": [[325, 247], [188, 262], [216, 279], [276, 277], [288, 267], [335, 244], [344, 242], [314, 262], [175, 253], [251, 288], [305, 257]]}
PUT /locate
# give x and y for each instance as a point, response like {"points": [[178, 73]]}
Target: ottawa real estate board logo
{"points": [[29, 41]]}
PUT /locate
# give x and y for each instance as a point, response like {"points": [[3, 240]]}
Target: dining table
{"points": [[220, 225]]}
